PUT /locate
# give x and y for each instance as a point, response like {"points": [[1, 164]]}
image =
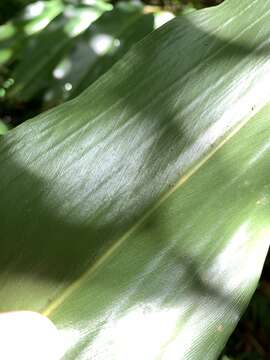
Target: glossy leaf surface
{"points": [[136, 216]]}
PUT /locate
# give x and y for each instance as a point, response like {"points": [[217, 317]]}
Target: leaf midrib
{"points": [[117, 244], [189, 173]]}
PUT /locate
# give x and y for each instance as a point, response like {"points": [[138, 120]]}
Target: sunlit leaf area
{"points": [[134, 179]]}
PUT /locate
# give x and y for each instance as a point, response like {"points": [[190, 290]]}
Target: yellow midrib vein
{"points": [[76, 284]]}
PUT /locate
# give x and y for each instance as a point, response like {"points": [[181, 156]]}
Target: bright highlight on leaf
{"points": [[27, 335]]}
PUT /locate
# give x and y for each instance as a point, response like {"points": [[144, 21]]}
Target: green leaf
{"points": [[136, 216], [3, 127]]}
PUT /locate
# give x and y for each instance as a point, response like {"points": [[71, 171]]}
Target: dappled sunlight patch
{"points": [[103, 43], [38, 15], [38, 26], [27, 335], [245, 263], [80, 20], [162, 17], [85, 21], [34, 10], [68, 338], [62, 69], [68, 86], [208, 318], [147, 325]]}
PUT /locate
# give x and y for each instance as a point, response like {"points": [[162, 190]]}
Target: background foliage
{"points": [[63, 66]]}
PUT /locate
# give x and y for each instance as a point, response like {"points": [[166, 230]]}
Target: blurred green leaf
{"points": [[15, 34], [3, 127], [66, 63], [97, 49], [44, 50]]}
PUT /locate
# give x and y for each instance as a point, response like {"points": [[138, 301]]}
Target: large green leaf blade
{"points": [[123, 210]]}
